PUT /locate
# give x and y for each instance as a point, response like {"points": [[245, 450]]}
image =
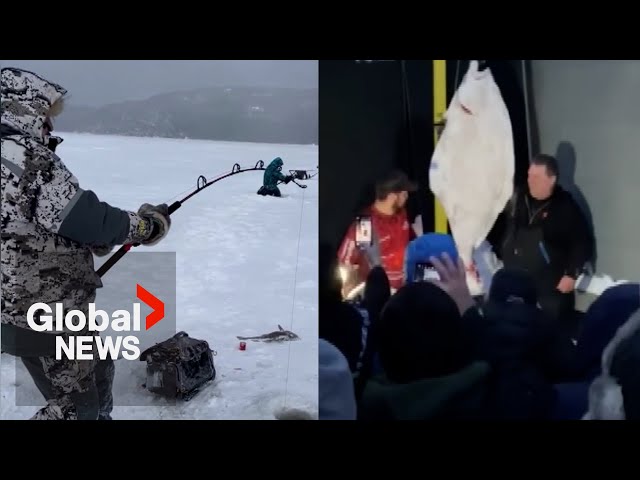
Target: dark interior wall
{"points": [[378, 114], [415, 141], [361, 122]]}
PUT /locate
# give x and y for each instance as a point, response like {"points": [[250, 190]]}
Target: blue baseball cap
{"points": [[420, 250]]}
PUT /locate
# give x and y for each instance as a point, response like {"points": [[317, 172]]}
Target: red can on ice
{"points": [[243, 346]]}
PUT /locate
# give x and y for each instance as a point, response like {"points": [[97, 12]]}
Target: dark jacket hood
{"points": [[460, 395], [510, 331], [607, 392], [600, 323]]}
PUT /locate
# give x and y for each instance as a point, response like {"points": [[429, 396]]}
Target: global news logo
{"points": [[81, 347]]}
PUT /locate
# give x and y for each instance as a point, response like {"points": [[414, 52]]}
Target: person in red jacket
{"points": [[390, 234]]}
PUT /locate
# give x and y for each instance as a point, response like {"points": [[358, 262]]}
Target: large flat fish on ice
{"points": [[473, 163], [281, 335]]}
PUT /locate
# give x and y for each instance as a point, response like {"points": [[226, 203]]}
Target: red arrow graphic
{"points": [[151, 300]]}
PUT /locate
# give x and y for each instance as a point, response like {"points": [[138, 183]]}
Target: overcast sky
{"points": [[98, 82]]}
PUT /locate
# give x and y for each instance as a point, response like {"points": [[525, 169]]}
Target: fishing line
{"points": [[525, 88], [293, 303]]}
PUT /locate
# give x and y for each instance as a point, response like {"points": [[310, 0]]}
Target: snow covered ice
{"points": [[236, 267]]}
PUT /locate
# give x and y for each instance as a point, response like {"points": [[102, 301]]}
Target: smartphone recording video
{"points": [[425, 272], [364, 237]]}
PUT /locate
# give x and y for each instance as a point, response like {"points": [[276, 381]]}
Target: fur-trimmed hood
{"points": [[27, 101], [606, 400]]}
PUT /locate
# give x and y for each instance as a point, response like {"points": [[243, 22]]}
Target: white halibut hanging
{"points": [[473, 163]]}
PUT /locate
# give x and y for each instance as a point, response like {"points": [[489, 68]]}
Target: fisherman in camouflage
{"points": [[272, 175], [50, 229]]}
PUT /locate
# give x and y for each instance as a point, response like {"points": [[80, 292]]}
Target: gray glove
{"points": [[158, 215]]}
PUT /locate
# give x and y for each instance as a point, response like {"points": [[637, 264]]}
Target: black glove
{"points": [[288, 178], [54, 142], [160, 220]]}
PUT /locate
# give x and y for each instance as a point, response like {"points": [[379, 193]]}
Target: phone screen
{"points": [[364, 236], [425, 272]]}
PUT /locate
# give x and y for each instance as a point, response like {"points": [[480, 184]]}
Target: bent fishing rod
{"points": [[201, 184]]}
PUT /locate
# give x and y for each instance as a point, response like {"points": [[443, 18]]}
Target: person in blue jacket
{"points": [[272, 175]]}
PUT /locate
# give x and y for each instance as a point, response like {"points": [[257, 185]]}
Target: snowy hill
{"points": [[240, 260], [273, 115]]}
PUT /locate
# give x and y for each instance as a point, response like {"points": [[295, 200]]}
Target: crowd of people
{"points": [[431, 351], [424, 348]]}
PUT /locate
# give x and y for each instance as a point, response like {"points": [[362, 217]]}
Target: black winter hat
{"points": [[377, 290], [420, 335], [341, 325], [513, 286]]}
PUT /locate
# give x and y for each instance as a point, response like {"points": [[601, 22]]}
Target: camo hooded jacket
{"points": [[49, 224]]}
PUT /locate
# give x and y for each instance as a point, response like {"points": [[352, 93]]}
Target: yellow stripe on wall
{"points": [[439, 109]]}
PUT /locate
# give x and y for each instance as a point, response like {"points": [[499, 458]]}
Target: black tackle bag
{"points": [[179, 366]]}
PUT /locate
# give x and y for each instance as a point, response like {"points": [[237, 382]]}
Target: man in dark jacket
{"points": [[547, 236]]}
